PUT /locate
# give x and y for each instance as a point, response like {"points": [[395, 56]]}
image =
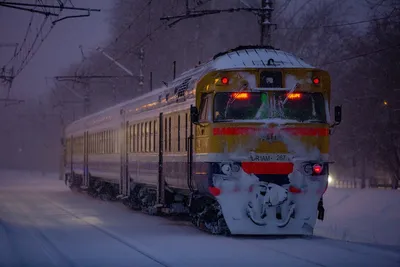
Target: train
{"points": [[238, 144]]}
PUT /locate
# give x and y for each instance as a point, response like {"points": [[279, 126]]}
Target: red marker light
{"points": [[294, 190], [240, 96], [317, 169], [294, 95], [224, 80], [215, 191], [316, 81]]}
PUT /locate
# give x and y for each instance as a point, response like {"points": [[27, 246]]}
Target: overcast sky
{"points": [[58, 51]]}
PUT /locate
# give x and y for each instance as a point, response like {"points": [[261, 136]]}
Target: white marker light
{"points": [[226, 169]]}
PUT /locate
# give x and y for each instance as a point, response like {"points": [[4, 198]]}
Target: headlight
{"points": [[308, 169], [330, 179], [235, 167], [226, 169]]}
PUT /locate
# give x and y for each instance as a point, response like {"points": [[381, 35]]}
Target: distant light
{"points": [[330, 179], [224, 80], [294, 95], [385, 103], [240, 96], [316, 80]]}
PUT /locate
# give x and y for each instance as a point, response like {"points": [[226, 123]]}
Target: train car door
{"points": [[71, 156], [189, 141], [63, 158], [85, 181], [161, 178], [124, 185]]}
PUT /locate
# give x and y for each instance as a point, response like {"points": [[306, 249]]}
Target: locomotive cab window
{"points": [[299, 106], [205, 108]]}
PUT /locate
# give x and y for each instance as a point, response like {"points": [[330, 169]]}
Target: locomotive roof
{"points": [[242, 57]]}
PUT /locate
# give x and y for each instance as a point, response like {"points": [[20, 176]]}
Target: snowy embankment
{"points": [[362, 215]]}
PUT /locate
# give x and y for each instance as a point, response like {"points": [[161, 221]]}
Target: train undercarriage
{"points": [[203, 211], [262, 208]]}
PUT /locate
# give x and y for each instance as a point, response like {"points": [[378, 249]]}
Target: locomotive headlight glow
{"points": [[226, 169]]}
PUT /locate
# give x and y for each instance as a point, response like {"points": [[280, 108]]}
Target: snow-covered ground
{"points": [[44, 224], [367, 216]]}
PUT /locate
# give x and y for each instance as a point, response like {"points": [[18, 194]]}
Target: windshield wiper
{"points": [[316, 121]]}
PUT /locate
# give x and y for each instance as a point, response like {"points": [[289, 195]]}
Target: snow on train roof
{"points": [[241, 57], [258, 58]]}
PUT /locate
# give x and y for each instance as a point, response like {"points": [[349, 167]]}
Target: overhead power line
{"points": [[28, 29], [127, 28], [25, 7], [140, 42], [119, 35], [32, 8], [362, 55], [335, 25], [264, 13]]}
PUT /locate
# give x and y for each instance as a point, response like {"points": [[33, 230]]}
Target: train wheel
{"points": [[211, 220]]}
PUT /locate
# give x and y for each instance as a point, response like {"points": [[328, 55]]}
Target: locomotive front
{"points": [[261, 147]]}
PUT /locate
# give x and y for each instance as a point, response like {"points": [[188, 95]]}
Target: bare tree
{"points": [[371, 83]]}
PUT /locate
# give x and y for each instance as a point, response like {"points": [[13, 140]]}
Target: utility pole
{"points": [[265, 22], [86, 100], [141, 76]]}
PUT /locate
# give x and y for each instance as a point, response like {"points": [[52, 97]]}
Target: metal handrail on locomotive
{"points": [[240, 143]]}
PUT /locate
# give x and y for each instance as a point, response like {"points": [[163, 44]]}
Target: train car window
{"points": [[169, 136], [101, 142], [179, 133], [186, 131], [113, 141], [204, 111], [133, 138], [117, 141], [165, 135], [154, 136], [150, 136], [98, 143], [137, 137], [141, 137], [110, 132], [105, 142], [145, 136], [109, 142]]}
